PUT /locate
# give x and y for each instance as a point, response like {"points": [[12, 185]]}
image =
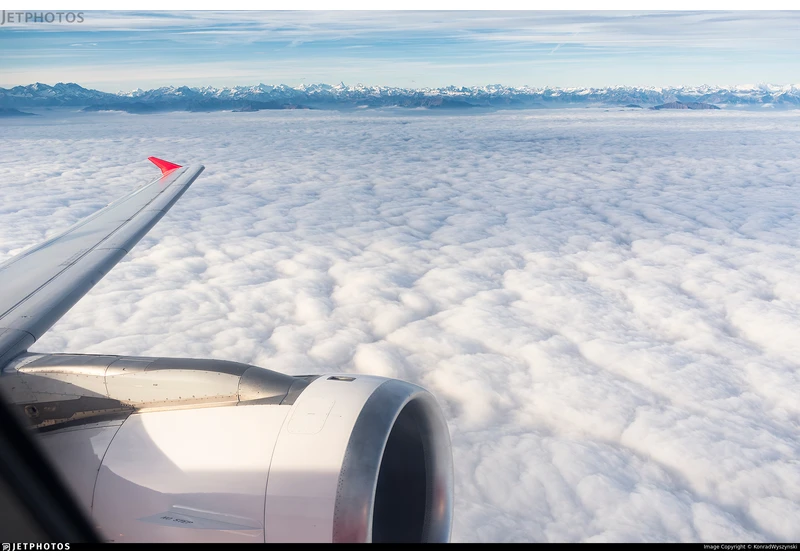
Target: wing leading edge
{"points": [[38, 286]]}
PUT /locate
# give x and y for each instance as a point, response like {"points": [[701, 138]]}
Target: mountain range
{"points": [[323, 96]]}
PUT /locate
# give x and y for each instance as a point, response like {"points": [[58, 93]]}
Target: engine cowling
{"points": [[351, 459]]}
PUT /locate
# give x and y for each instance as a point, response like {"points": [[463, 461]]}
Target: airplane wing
{"points": [[41, 284], [188, 449]]}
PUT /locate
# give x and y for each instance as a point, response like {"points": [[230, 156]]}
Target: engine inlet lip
{"points": [[358, 479]]}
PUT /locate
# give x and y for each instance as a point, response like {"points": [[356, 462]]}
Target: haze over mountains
{"points": [[323, 96]]}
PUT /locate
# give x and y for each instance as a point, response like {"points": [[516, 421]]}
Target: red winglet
{"points": [[164, 166]]}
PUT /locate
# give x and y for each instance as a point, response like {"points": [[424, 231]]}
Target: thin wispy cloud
{"points": [[634, 48]]}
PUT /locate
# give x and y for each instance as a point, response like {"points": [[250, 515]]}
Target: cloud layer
{"points": [[605, 303]]}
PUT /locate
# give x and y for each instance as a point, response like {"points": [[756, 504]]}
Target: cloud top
{"points": [[603, 302]]}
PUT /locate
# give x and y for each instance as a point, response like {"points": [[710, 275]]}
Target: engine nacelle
{"points": [[352, 459]]}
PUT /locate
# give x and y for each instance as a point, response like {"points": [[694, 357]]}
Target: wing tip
{"points": [[164, 165]]}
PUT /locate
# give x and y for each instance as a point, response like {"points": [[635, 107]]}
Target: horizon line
{"points": [[421, 88]]}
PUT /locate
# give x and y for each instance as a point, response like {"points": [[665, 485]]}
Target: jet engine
{"points": [[189, 450]]}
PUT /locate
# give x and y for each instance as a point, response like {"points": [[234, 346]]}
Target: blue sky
{"points": [[116, 51]]}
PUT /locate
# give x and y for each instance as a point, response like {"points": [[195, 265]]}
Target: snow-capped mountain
{"points": [[43, 95], [341, 96]]}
